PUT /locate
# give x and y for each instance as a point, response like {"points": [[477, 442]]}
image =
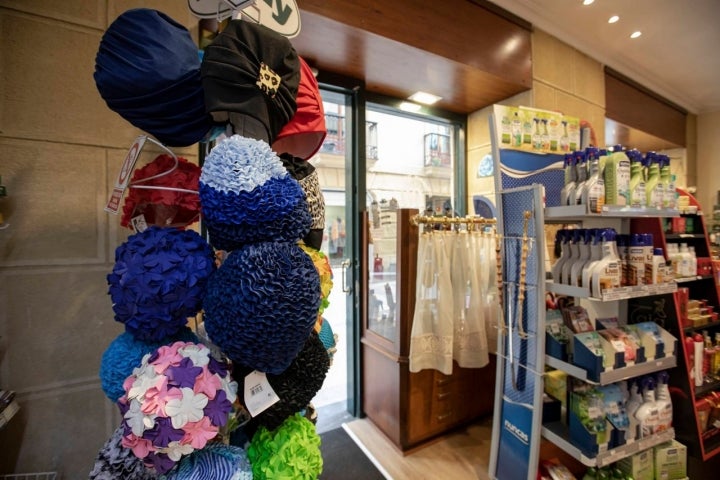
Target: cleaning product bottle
{"points": [[647, 240], [617, 178], [672, 193], [623, 244], [584, 248], [562, 239], [668, 183], [664, 402], [577, 235], [564, 138], [581, 175], [594, 190], [537, 136], [516, 131], [595, 256], [633, 403], [545, 137], [636, 260], [570, 179], [653, 187], [638, 198], [606, 273], [647, 414]]}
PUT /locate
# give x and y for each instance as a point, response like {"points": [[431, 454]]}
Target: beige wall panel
{"points": [[545, 96], [693, 162], [49, 90], [478, 130], [57, 433], [54, 204], [82, 12], [589, 79], [479, 185], [55, 315], [708, 175], [552, 61], [177, 10]]}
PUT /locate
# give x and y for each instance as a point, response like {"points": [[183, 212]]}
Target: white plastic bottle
{"points": [[693, 261], [606, 273], [575, 241], [658, 266], [633, 403], [664, 402], [584, 247], [561, 238], [648, 414], [576, 195], [595, 256], [636, 260], [570, 178], [685, 270]]}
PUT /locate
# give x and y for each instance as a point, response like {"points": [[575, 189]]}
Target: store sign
{"points": [[282, 16]]}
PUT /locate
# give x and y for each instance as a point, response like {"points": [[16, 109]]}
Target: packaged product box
{"points": [[670, 461], [640, 466]]}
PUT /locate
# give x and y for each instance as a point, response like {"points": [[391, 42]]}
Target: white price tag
{"points": [[259, 395], [113, 205]]}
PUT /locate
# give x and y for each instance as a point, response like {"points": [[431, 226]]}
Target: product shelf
{"points": [[693, 279], [616, 375], [682, 236], [706, 388], [579, 212], [559, 434], [613, 294]]}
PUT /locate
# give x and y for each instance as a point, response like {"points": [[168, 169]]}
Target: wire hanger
{"points": [[162, 174]]}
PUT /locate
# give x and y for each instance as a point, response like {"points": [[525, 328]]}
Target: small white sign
{"points": [[113, 205], [259, 395]]}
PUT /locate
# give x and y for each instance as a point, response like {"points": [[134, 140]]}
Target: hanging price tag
{"points": [[113, 205], [259, 395]]}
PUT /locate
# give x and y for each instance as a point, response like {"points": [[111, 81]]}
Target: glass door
{"points": [[336, 164]]}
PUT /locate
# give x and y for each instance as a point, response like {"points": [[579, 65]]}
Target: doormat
{"points": [[344, 460]]}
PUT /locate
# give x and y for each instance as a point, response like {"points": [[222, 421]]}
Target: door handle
{"points": [[345, 264]]}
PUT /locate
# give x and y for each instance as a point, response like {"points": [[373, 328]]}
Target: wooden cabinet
{"points": [[409, 408]]}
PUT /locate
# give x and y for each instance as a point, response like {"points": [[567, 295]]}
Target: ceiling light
{"points": [[424, 98], [613, 19], [588, 2], [410, 107], [636, 34]]}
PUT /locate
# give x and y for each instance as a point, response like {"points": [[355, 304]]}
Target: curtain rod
{"points": [[418, 219]]}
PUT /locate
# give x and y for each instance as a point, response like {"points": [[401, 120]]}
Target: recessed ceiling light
{"points": [[424, 98], [636, 34], [588, 2], [613, 19], [410, 107]]}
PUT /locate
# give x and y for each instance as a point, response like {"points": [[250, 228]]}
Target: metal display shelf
{"points": [[559, 434], [692, 279], [579, 212], [613, 294], [616, 375]]}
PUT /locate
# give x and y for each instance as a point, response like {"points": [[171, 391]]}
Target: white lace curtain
{"points": [[456, 304]]}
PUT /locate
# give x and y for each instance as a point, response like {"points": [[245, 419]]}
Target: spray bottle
{"points": [[638, 198], [664, 402], [570, 179], [606, 273]]}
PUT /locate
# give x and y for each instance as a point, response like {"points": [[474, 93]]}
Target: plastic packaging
{"points": [[698, 359], [606, 273], [617, 178], [654, 189], [658, 267], [638, 198], [648, 414], [664, 402], [570, 178]]}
